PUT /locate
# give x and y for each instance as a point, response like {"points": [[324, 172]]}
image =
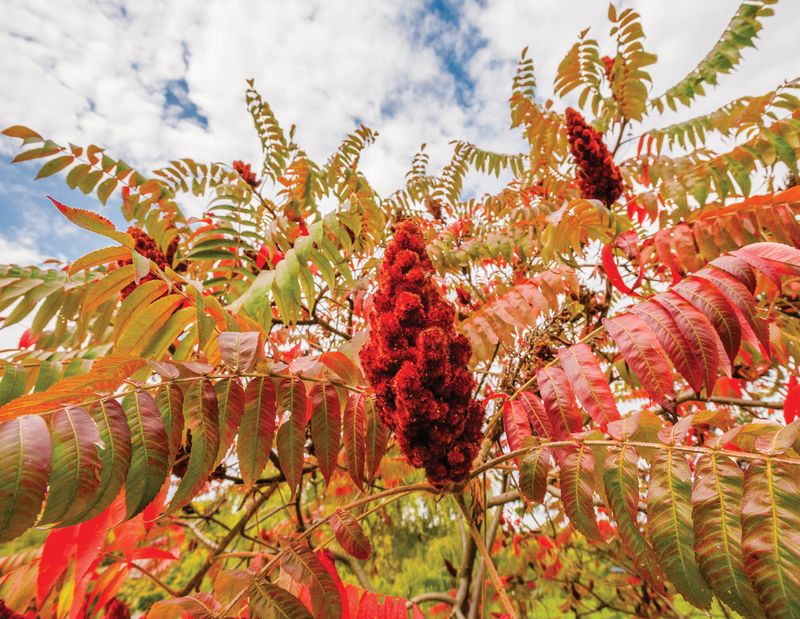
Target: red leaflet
{"points": [[516, 424], [589, 383], [350, 535], [612, 272], [559, 402], [703, 348], [683, 356], [664, 252], [791, 408], [58, 548], [737, 267], [772, 259], [537, 415], [741, 298], [368, 606], [639, 346], [719, 311]]}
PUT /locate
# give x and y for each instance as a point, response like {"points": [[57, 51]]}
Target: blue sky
{"points": [[153, 80]]}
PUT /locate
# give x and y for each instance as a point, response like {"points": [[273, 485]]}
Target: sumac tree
{"points": [[596, 368]]}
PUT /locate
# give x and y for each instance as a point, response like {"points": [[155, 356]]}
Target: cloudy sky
{"points": [[153, 80]]}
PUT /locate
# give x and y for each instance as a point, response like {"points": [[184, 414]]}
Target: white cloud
{"points": [[22, 251], [99, 71]]}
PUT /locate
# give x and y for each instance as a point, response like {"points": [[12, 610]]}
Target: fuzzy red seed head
{"points": [[598, 176], [417, 364], [248, 176], [146, 246], [608, 63]]}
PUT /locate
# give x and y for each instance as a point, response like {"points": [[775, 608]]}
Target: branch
{"points": [[487, 560], [156, 580], [196, 580], [356, 568], [436, 597]]}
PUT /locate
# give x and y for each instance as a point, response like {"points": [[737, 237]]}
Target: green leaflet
{"points": [[201, 414], [25, 456], [716, 497], [577, 483], [670, 525], [257, 428], [75, 473], [169, 400], [150, 451], [354, 436], [377, 437], [621, 481], [533, 471], [326, 426], [115, 455], [231, 400], [268, 601], [771, 536], [292, 434], [12, 385]]}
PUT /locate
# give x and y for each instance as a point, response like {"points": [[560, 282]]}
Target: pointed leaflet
{"points": [[703, 348], [738, 268], [516, 425], [292, 434], [115, 456], [326, 426], [25, 456], [589, 383], [716, 501], [772, 259], [577, 483], [771, 536], [559, 402], [377, 437], [720, 313], [75, 474], [169, 400], [621, 481], [150, 451], [741, 298], [683, 356], [639, 346], [268, 601], [201, 412], [306, 568], [93, 222], [231, 403], [536, 414], [670, 525], [350, 535], [533, 474], [257, 429], [354, 436]]}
